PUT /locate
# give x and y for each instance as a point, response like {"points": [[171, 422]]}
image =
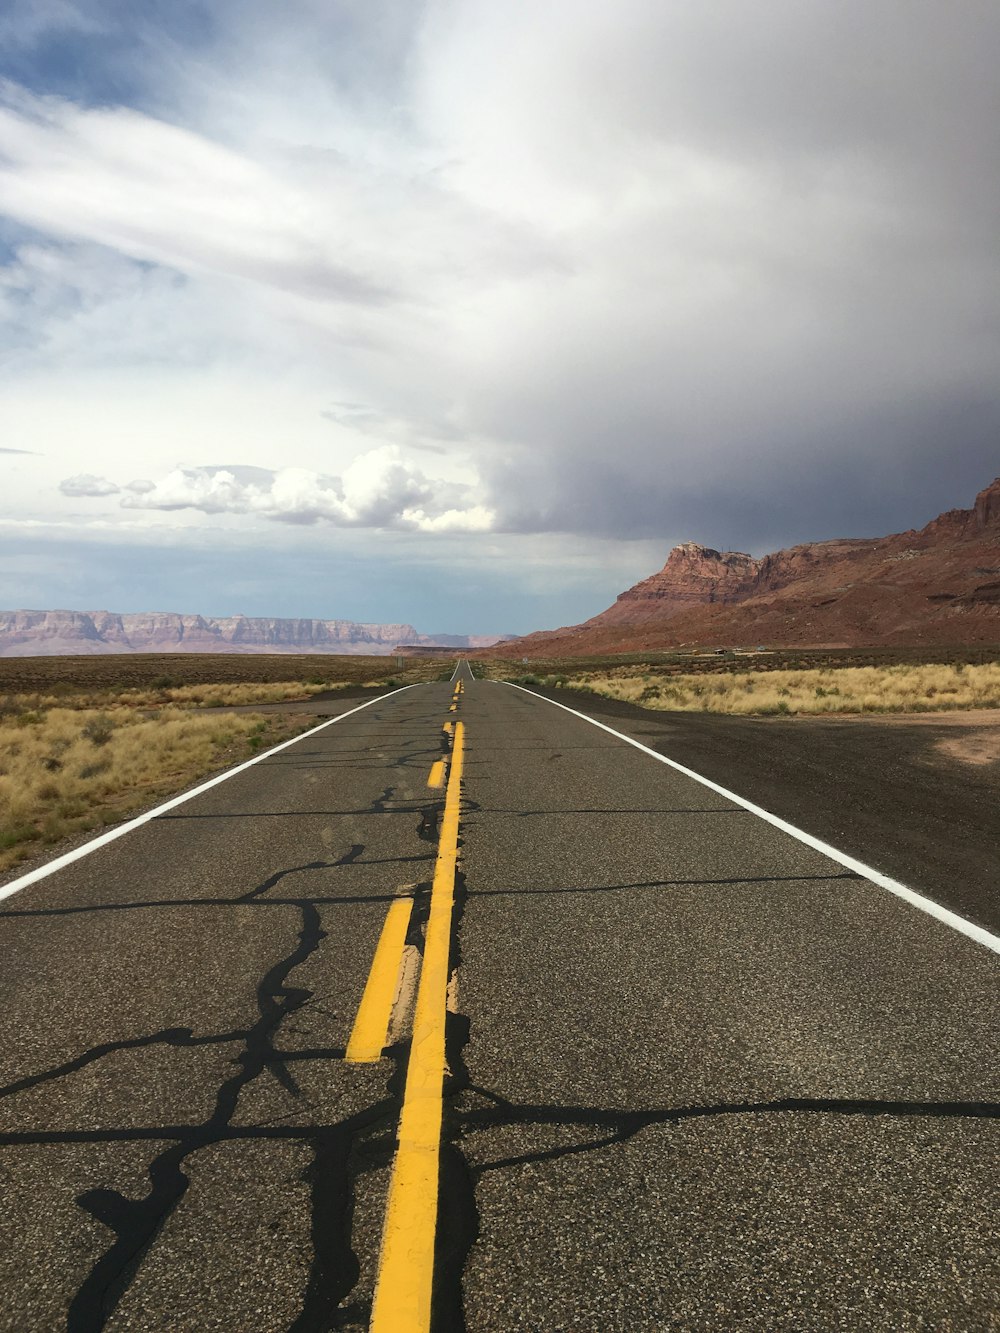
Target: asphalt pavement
{"points": [[699, 1076], [888, 790]]}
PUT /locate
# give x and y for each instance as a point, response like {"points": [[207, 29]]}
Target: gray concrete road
{"points": [[700, 1076]]}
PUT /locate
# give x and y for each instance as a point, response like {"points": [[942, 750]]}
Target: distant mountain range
{"points": [[939, 585], [55, 633]]}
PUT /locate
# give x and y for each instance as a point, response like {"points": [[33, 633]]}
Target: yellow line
{"points": [[406, 1268], [371, 1027], [436, 776]]}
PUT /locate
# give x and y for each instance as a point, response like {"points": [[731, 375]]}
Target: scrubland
{"points": [[67, 770], [84, 746], [114, 674], [901, 688], [182, 696]]}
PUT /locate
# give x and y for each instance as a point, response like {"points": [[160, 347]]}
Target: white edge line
{"points": [[119, 831], [969, 928]]}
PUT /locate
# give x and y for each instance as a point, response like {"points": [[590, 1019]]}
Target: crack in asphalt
{"points": [[625, 1124], [177, 1037], [342, 1151], [664, 884], [345, 1151], [349, 858], [154, 903], [136, 1222]]}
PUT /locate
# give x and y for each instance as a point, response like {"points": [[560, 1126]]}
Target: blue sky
{"points": [[464, 314]]}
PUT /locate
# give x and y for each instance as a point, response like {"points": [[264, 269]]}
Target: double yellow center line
{"points": [[406, 1268], [371, 1026], [405, 1280]]}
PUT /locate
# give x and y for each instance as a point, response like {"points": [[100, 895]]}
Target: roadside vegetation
{"points": [[68, 770], [165, 696], [83, 745], [115, 674], [901, 688]]}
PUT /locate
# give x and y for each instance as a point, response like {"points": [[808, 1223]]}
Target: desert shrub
{"points": [[98, 730], [870, 689], [14, 834], [75, 769]]}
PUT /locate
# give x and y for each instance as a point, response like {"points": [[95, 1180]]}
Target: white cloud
{"points": [[476, 519], [379, 489], [191, 204], [85, 484], [715, 271]]}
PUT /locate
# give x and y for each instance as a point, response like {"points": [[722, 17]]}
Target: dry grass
{"points": [[87, 746], [85, 742], [143, 671], [181, 696], [210, 695], [726, 661], [891, 689], [228, 696], [64, 770]]}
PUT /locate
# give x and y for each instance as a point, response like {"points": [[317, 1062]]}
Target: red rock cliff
{"points": [[940, 584]]}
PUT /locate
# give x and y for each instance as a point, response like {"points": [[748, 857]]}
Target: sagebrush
{"points": [[891, 689], [63, 770]]}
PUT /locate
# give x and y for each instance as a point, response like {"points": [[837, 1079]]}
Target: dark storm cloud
{"points": [[656, 269], [851, 477], [794, 331]]}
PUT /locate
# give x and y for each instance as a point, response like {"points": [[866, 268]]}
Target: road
{"points": [[889, 790], [672, 1067]]}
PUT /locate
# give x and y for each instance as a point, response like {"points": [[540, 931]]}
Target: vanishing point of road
{"points": [[460, 1011]]}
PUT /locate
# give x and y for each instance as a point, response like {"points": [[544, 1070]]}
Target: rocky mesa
{"points": [[53, 633], [936, 585]]}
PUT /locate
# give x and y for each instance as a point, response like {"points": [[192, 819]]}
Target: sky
{"points": [[463, 314]]}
